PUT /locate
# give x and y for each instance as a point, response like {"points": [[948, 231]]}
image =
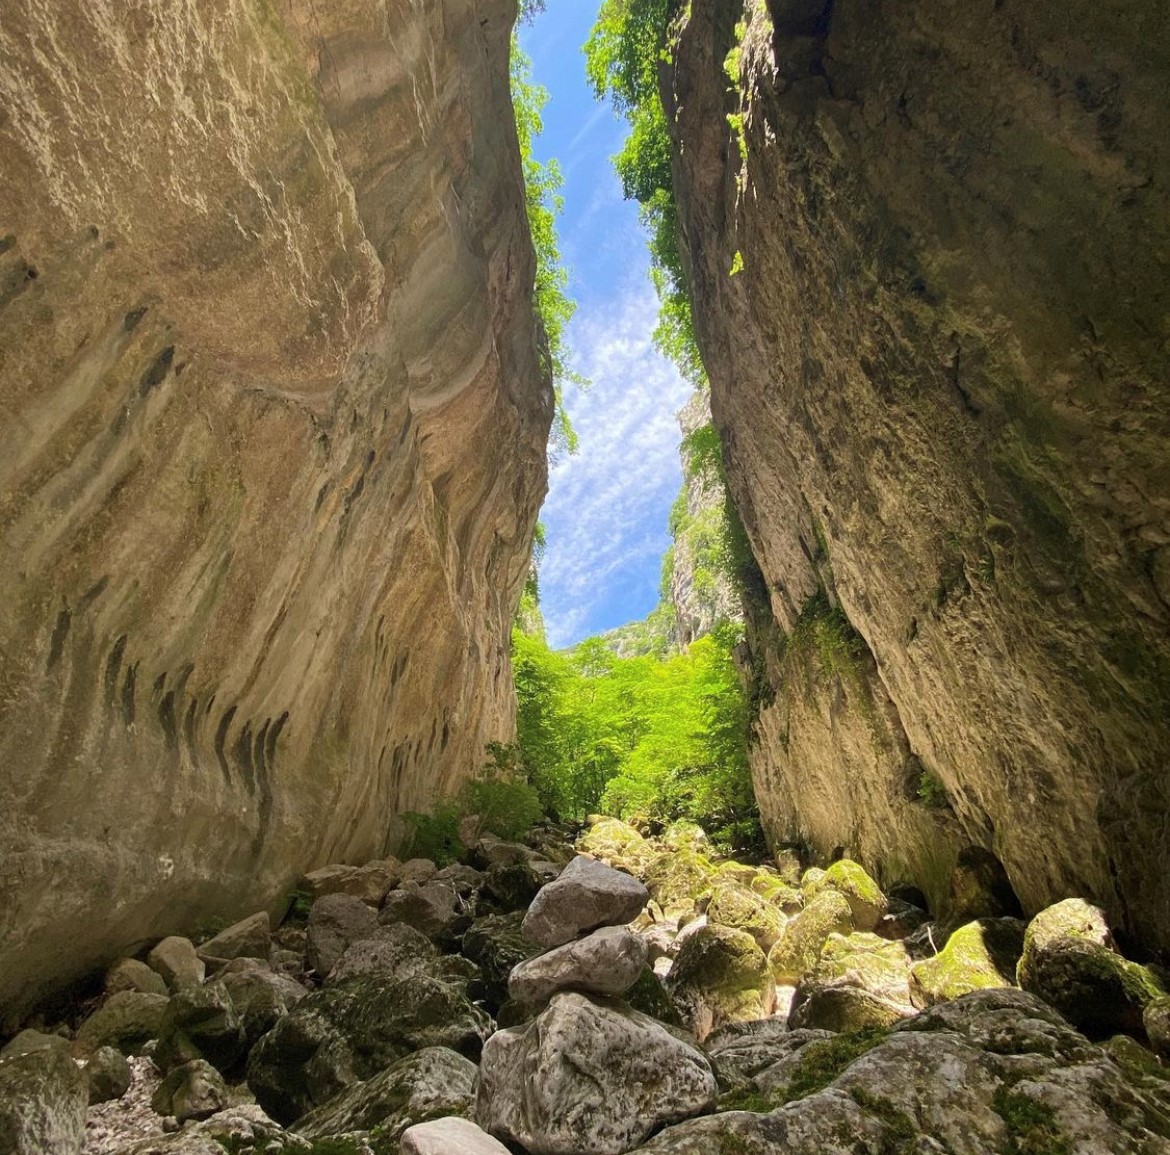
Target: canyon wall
{"points": [[941, 379], [274, 446]]}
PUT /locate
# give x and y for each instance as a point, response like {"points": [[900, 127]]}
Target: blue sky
{"points": [[607, 506]]}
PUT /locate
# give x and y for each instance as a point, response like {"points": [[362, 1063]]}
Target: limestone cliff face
{"points": [[700, 592], [941, 379], [274, 447]]}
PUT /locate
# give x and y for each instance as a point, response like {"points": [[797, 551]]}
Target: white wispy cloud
{"points": [[607, 505]]}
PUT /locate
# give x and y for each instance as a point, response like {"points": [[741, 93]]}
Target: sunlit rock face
{"points": [[274, 448], [941, 377]]}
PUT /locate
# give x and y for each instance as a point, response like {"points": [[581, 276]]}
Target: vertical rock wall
{"points": [[274, 447], [941, 377]]}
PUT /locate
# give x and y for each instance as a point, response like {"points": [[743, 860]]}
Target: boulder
{"points": [[449, 1136], [127, 1020], [463, 880], [107, 1075], [490, 852], [789, 1062], [396, 949], [979, 956], [27, 1041], [201, 1023], [586, 1079], [131, 974], [195, 1090], [650, 996], [433, 1081], [261, 999], [587, 895], [418, 870], [720, 976], [866, 901], [795, 955], [432, 908], [735, 906], [844, 1008], [1068, 961], [243, 1130], [788, 898], [606, 962], [1156, 1020], [676, 881], [513, 887], [178, 962], [739, 1051], [43, 1097], [901, 920], [370, 883], [336, 921], [248, 938], [496, 944], [355, 1029], [866, 961]]}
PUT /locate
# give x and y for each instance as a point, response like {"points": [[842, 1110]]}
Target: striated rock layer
{"points": [[274, 449], [941, 380]]}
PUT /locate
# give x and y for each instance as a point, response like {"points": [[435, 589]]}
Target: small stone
{"points": [[335, 923], [176, 959], [587, 895], [107, 1075], [248, 938], [131, 974], [449, 1136], [606, 962]]}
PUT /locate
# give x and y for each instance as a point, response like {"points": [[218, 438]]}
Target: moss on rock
{"points": [[979, 956], [865, 897], [735, 906], [799, 947]]}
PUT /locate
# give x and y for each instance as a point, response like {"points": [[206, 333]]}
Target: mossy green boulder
{"points": [[720, 976], [845, 1009], [979, 956], [1069, 962], [866, 961], [778, 892], [799, 947], [735, 906], [846, 877], [676, 879]]}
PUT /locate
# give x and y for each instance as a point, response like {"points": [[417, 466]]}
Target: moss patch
{"points": [[822, 1060], [1031, 1126]]}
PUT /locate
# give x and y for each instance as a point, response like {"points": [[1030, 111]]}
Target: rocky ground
{"points": [[623, 994]]}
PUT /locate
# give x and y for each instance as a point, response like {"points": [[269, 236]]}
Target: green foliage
{"points": [[702, 451], [505, 804], [542, 185], [622, 55], [931, 792], [648, 738]]}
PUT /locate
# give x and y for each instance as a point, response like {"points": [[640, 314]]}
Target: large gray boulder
{"points": [[606, 962], [43, 1097], [587, 895], [588, 1079], [433, 1081], [261, 999], [107, 1075], [335, 923], [195, 1090], [433, 908], [131, 974], [349, 1032]]}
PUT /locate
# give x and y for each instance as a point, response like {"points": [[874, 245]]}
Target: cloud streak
{"points": [[607, 507]]}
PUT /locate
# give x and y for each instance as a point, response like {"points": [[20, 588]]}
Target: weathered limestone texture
{"points": [[274, 448], [941, 377]]}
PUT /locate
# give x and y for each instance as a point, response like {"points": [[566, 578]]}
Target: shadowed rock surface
{"points": [[941, 382], [277, 443]]}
